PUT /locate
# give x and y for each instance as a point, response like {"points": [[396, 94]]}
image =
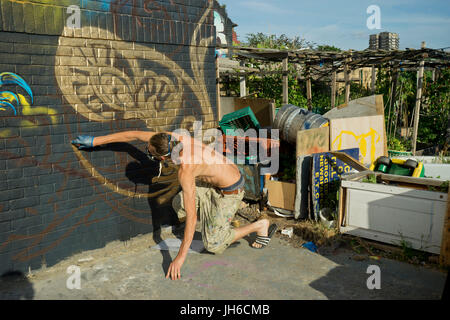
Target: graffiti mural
{"points": [[153, 78], [224, 29]]}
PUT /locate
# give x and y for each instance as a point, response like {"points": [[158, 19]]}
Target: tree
{"points": [[283, 42], [325, 47]]}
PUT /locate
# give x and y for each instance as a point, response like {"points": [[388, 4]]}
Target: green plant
{"points": [[398, 144], [399, 109], [371, 178], [407, 250]]}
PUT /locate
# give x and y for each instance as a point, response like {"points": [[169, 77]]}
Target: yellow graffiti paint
{"points": [[5, 133], [29, 111], [361, 139]]}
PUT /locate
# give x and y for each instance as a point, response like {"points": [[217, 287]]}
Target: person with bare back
{"points": [[212, 186]]}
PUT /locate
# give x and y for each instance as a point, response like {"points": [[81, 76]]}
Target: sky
{"points": [[343, 23]]}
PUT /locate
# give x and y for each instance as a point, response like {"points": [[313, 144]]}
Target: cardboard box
{"points": [[281, 194]]}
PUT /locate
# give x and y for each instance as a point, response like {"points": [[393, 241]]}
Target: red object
{"points": [[270, 145]]}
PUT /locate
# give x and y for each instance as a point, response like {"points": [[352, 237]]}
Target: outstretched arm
{"points": [[187, 181], [83, 142]]}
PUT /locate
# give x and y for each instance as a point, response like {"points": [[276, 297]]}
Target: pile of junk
{"points": [[336, 168]]}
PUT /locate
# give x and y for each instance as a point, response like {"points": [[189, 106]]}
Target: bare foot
{"points": [[263, 231]]}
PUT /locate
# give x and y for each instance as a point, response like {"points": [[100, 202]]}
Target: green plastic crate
{"points": [[393, 153], [242, 119]]}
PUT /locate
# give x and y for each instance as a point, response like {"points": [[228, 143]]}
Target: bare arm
{"points": [[125, 136], [187, 181]]}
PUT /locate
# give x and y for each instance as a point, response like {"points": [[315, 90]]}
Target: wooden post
{"points": [[347, 81], [418, 101], [218, 89], [242, 86], [372, 86], [285, 81], [308, 89], [394, 85], [272, 113], [333, 90]]}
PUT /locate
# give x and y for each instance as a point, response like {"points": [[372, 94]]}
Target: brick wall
{"points": [[132, 65]]}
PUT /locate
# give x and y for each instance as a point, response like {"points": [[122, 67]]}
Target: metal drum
{"points": [[291, 119]]}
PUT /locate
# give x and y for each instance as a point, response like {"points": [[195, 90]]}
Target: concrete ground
{"points": [[133, 270]]}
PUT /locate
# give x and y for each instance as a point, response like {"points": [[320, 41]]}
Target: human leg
{"points": [[216, 216]]}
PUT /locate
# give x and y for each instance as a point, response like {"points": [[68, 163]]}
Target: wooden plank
{"points": [[445, 246], [349, 160], [303, 181], [365, 133], [412, 180], [394, 190], [341, 207], [313, 141], [357, 176], [281, 194]]}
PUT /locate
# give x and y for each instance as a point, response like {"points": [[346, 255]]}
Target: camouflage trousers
{"points": [[214, 212]]}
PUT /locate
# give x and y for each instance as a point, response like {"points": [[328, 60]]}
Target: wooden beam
{"points": [[333, 90], [418, 102], [355, 164], [285, 81], [308, 89]]}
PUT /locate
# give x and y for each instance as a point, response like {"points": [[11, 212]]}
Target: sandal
{"points": [[264, 241]]}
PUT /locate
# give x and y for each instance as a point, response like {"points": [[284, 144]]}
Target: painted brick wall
{"points": [[132, 65]]}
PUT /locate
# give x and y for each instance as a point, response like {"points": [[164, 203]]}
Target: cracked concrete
{"points": [[133, 270]]}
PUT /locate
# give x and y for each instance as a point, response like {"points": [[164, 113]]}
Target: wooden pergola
{"points": [[325, 65]]}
